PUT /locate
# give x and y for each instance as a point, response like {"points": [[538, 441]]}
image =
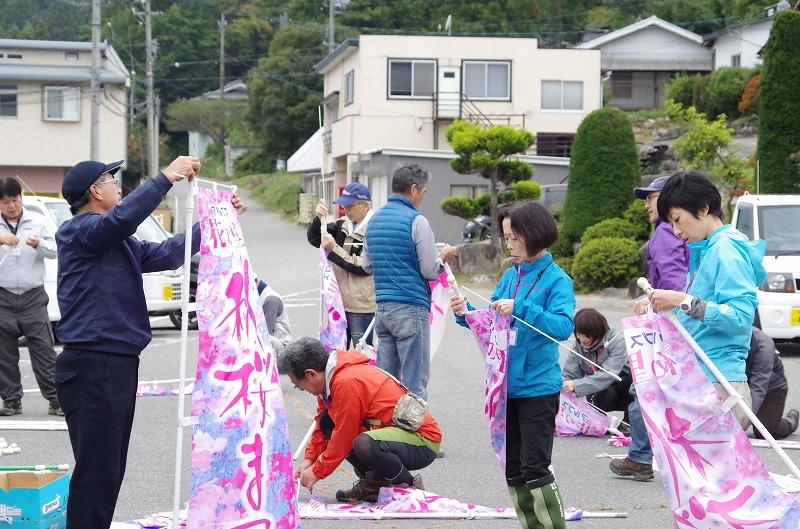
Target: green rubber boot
{"points": [[547, 504], [523, 503]]}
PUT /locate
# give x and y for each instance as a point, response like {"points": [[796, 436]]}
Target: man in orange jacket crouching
{"points": [[357, 417]]}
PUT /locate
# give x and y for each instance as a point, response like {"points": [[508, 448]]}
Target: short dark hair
{"points": [[78, 203], [691, 191], [591, 323], [9, 187], [532, 222], [408, 175], [301, 354]]}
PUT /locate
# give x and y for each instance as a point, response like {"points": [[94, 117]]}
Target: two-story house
{"points": [[741, 44], [389, 99], [45, 109], [641, 58]]}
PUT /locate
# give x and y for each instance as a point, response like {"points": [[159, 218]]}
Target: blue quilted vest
{"points": [[393, 254]]}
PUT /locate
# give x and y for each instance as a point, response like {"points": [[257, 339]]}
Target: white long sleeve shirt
{"points": [[22, 267]]}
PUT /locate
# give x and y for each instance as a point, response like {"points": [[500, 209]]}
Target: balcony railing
{"points": [[456, 105]]}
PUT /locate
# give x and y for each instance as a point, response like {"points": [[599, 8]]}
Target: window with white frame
{"points": [[62, 103], [412, 78], [487, 80], [562, 95], [349, 85], [8, 101]]}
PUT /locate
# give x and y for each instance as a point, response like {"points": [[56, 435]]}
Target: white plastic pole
{"points": [[187, 264], [670, 315], [562, 344]]}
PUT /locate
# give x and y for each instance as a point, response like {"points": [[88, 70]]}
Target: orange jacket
{"points": [[357, 392]]}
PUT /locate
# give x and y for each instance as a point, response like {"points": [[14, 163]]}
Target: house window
{"points": [[62, 103], [412, 78], [71, 55], [349, 85], [487, 80], [8, 101], [13, 55], [554, 144], [622, 85], [562, 95], [736, 60], [469, 191]]}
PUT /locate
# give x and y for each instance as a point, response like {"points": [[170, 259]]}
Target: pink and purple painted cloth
{"points": [[711, 473], [577, 417], [333, 331], [491, 332], [241, 456]]}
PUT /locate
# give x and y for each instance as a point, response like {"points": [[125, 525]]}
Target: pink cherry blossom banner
{"points": [[333, 332], [576, 417], [440, 302], [491, 332], [711, 473], [241, 456]]}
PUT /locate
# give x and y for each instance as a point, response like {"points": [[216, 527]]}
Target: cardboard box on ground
{"points": [[34, 500]]}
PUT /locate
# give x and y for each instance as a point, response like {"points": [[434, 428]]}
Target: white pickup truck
{"points": [[162, 289], [776, 219]]}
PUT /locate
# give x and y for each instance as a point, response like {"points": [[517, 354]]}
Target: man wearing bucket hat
{"points": [[104, 323], [667, 269], [344, 239]]}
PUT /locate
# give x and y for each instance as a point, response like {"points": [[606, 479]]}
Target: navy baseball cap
{"points": [[353, 193], [82, 175], [655, 186]]}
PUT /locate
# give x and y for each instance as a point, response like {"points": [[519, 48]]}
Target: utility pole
{"points": [[94, 136], [152, 138], [331, 34], [222, 24]]}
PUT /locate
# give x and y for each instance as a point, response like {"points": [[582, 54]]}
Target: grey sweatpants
{"points": [[25, 315]]}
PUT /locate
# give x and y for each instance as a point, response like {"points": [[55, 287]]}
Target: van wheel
{"points": [[176, 317]]}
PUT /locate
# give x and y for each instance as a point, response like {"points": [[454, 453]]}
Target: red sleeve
{"points": [[318, 442], [347, 410]]}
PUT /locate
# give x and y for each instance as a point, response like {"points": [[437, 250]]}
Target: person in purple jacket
{"points": [[667, 268]]}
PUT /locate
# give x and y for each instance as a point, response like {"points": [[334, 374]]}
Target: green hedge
{"points": [[603, 170], [681, 89], [779, 106], [637, 216], [610, 228], [724, 91], [606, 262]]}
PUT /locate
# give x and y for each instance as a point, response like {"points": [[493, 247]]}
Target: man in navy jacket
{"points": [[104, 323]]}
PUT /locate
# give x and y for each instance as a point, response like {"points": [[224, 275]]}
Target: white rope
{"points": [[562, 344]]}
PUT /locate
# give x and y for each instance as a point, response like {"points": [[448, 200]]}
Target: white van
{"points": [[776, 219], [162, 290]]}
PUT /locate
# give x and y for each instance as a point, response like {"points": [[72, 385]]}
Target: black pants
{"points": [[771, 415], [615, 397], [530, 424], [25, 315], [389, 459], [98, 395]]}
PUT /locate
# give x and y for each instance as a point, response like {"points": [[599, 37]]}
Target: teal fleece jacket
{"points": [[543, 296]]}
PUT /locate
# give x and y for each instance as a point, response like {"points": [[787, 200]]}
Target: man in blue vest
{"points": [[401, 253]]}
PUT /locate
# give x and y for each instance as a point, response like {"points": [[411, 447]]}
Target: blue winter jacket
{"points": [[725, 271], [545, 299]]}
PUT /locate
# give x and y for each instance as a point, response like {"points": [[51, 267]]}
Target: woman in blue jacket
{"points": [[719, 303], [537, 291]]}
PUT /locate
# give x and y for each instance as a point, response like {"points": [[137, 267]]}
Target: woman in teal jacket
{"points": [[725, 270], [537, 291]]}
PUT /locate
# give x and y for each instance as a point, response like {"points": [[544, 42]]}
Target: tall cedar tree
{"points": [[603, 170], [779, 107]]}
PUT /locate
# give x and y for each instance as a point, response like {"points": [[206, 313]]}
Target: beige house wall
{"points": [[374, 120], [40, 150]]}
